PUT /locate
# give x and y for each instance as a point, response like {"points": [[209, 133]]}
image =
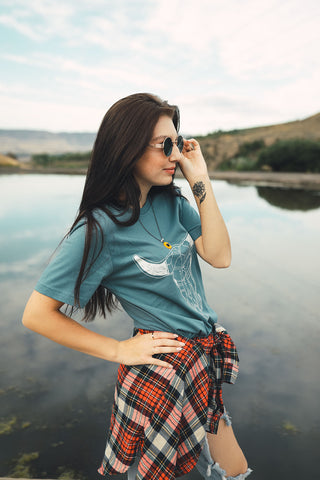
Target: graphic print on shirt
{"points": [[177, 263]]}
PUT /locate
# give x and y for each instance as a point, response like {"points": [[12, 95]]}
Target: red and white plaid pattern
{"points": [[163, 414]]}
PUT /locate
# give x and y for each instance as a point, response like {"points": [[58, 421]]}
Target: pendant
{"points": [[167, 245]]}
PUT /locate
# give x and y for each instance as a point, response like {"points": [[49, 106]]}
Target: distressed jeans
{"points": [[209, 469]]}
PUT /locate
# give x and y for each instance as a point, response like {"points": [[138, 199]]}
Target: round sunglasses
{"points": [[167, 145]]}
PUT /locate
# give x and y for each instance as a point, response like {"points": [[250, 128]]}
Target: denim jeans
{"points": [[209, 469]]}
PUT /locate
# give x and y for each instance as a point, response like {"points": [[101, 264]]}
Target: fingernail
{"points": [[182, 344], [176, 335], [179, 348]]}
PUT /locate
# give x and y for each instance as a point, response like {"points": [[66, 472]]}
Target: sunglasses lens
{"points": [[180, 143], [167, 146]]}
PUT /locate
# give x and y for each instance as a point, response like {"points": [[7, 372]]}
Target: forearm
{"points": [[42, 315], [214, 244], [215, 241], [61, 329]]}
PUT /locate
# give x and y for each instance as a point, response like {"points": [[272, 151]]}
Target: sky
{"points": [[227, 65]]}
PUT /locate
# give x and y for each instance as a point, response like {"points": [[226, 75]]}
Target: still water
{"points": [[56, 403]]}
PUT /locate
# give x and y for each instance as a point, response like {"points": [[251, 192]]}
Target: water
{"points": [[55, 403]]}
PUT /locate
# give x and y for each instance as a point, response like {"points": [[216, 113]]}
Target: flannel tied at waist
{"points": [[163, 414]]}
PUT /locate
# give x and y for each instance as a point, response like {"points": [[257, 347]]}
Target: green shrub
{"points": [[296, 155], [64, 160], [245, 159], [239, 164], [42, 159], [248, 148]]}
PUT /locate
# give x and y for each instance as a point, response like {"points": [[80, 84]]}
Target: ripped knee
{"points": [[226, 417], [211, 470], [215, 472]]}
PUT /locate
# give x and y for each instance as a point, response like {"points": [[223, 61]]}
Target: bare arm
{"points": [[42, 315], [214, 244]]}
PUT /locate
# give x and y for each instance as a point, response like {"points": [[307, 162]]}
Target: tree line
{"points": [[296, 155], [64, 160]]}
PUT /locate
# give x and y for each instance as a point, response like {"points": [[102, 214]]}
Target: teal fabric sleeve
{"points": [[59, 278], [190, 219]]}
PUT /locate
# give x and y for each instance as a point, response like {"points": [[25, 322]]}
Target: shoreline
{"points": [[297, 180]]}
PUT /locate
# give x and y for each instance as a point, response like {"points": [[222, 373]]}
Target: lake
{"points": [[56, 403]]}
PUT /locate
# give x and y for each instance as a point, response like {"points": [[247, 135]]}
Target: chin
{"points": [[168, 182], [162, 182]]}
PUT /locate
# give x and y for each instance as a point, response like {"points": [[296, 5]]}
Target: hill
{"points": [[217, 146], [220, 146], [27, 142], [6, 161]]}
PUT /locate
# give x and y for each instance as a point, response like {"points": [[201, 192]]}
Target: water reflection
{"points": [[290, 199], [56, 402]]}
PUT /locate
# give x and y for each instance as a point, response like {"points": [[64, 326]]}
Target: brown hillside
{"points": [[222, 146], [8, 161]]}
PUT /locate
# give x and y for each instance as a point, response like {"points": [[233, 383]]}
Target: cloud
{"points": [[248, 38], [298, 96], [225, 110], [89, 76], [20, 26], [48, 115], [243, 37], [228, 65], [275, 41], [40, 19], [77, 23]]}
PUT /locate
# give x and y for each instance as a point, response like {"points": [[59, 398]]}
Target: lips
{"points": [[170, 170]]}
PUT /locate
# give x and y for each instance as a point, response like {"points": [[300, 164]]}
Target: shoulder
{"points": [[103, 219], [80, 233]]}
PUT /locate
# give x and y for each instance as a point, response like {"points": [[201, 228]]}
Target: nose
{"points": [[175, 154]]}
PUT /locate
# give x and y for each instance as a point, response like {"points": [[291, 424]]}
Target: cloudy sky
{"points": [[227, 64]]}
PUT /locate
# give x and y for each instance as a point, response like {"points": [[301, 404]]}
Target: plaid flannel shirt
{"points": [[163, 414]]}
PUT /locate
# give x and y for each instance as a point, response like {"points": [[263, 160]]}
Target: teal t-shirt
{"points": [[160, 288]]}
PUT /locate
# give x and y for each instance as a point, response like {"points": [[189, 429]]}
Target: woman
{"points": [[135, 241]]}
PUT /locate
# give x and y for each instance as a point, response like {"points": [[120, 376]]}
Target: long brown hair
{"points": [[122, 138]]}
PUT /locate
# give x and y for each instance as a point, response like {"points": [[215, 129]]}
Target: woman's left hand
{"points": [[192, 163]]}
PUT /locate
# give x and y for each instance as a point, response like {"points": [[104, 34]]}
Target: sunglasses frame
{"points": [[168, 141]]}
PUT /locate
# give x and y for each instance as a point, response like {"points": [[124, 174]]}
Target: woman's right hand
{"points": [[138, 350]]}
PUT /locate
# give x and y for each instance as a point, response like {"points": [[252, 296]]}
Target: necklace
{"points": [[161, 239]]}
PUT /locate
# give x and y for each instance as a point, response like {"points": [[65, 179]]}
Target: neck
{"points": [[143, 196]]}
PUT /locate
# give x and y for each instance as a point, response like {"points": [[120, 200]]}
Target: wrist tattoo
{"points": [[199, 190]]}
